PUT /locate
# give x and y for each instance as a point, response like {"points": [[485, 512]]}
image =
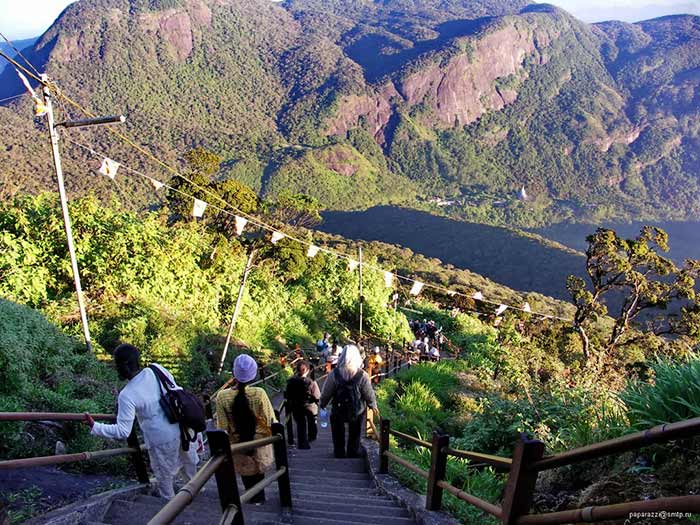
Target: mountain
{"points": [[451, 106], [18, 44]]}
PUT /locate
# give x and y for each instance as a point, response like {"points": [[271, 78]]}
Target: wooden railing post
{"points": [[280, 447], [137, 458], [219, 444], [438, 468], [521, 480], [384, 426]]}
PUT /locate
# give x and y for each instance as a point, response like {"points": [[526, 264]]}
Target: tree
{"points": [[633, 270], [242, 199], [297, 209], [202, 165]]}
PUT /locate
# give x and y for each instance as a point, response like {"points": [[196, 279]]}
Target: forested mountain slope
{"points": [[364, 103]]}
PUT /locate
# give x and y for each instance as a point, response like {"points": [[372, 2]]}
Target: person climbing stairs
{"points": [[325, 491]]}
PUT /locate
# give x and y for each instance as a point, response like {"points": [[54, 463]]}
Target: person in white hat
{"points": [[247, 414]]}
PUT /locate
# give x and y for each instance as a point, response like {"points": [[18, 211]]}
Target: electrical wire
{"points": [[9, 42], [253, 220], [336, 253]]}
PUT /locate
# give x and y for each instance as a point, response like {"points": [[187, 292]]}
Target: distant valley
{"points": [[521, 262]]}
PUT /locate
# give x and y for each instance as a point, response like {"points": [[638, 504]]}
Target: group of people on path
{"points": [[428, 339], [329, 353], [243, 411]]}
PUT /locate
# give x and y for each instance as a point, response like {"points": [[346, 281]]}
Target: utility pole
{"points": [[362, 297], [53, 134], [236, 310]]}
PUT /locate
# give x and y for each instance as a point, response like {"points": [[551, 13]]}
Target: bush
{"points": [[673, 394], [42, 369]]}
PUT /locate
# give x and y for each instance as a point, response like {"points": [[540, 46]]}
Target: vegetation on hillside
{"points": [[596, 122]]}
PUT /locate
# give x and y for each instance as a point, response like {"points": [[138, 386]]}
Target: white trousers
{"points": [[166, 461]]}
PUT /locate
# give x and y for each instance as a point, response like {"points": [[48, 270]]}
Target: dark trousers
{"points": [[306, 427], [249, 481], [338, 432]]}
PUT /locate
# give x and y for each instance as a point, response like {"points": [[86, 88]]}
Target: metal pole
{"points": [[53, 133], [362, 299], [236, 310]]}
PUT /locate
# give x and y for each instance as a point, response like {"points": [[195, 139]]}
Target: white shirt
{"points": [[140, 398]]}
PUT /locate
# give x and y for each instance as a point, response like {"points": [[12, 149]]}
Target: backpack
{"points": [[347, 400], [297, 393], [180, 406]]}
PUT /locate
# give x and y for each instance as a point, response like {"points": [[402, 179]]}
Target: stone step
{"points": [[322, 504], [134, 513], [303, 516], [330, 482], [370, 490], [197, 513], [310, 472], [341, 465], [338, 497]]}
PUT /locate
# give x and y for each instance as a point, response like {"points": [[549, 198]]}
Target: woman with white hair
{"points": [[351, 391]]}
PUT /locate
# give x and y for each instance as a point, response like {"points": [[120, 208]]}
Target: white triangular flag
{"points": [[40, 108], [353, 264], [198, 208], [478, 296], [240, 224], [451, 293], [26, 83], [109, 168], [276, 237], [388, 279], [502, 308], [526, 307], [312, 251], [416, 288], [157, 184]]}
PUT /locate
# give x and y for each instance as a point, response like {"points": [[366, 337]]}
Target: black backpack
{"points": [[181, 406], [297, 393], [347, 400]]}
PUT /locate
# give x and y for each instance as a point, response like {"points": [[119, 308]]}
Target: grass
{"points": [[673, 394]]}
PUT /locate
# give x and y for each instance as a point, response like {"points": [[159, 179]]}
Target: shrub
{"points": [[673, 394], [42, 369]]}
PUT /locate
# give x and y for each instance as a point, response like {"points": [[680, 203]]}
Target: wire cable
{"points": [[12, 97], [336, 253], [9, 42], [253, 220]]}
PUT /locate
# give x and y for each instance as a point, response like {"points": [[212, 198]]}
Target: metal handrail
{"points": [[241, 448], [479, 503], [657, 434], [497, 462], [65, 458], [407, 437], [260, 485], [52, 416], [407, 464], [186, 494], [678, 504]]}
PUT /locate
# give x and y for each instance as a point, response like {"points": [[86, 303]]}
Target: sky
{"points": [[29, 18]]}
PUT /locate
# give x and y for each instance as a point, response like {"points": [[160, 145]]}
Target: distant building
{"points": [[522, 195], [439, 201]]}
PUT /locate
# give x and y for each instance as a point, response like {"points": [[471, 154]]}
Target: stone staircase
{"points": [[325, 491]]}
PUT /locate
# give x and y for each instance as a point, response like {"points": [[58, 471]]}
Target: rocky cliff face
{"points": [[458, 90], [471, 100]]}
